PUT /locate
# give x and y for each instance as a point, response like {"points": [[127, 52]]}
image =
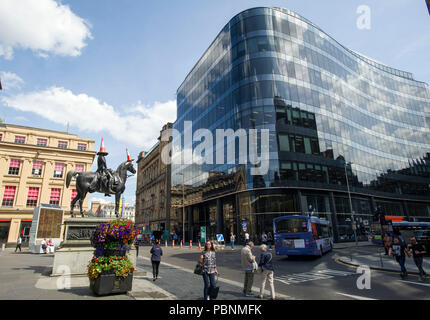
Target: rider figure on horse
{"points": [[103, 174]]}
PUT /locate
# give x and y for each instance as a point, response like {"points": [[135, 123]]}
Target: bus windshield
{"points": [[293, 225]]}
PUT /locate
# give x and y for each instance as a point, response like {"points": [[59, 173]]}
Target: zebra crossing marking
{"points": [[312, 276]]}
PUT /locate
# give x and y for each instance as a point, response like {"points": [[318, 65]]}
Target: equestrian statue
{"points": [[104, 180]]}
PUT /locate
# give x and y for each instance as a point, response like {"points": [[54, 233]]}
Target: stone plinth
{"points": [[75, 252]]}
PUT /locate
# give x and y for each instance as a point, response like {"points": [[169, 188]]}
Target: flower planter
{"points": [[107, 284], [100, 252]]}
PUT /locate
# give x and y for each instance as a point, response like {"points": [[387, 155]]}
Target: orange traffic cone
{"points": [[191, 244], [173, 244], [129, 159], [102, 149], [181, 244], [200, 246]]}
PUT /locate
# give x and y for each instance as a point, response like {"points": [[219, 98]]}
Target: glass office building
{"points": [[347, 134]]}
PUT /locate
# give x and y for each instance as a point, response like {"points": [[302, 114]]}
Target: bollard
{"points": [[165, 243], [3, 246]]}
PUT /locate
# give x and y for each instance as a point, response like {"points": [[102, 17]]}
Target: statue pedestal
{"points": [[75, 252]]}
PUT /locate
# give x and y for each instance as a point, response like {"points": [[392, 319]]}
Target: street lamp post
{"points": [[183, 205], [354, 227]]}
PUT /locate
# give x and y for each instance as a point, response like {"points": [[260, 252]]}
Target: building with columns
{"points": [[33, 167]]}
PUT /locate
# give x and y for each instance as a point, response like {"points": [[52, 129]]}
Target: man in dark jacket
{"points": [[267, 271], [418, 252], [156, 253]]}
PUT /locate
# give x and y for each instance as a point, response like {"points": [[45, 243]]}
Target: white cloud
{"points": [[10, 80], [43, 26], [140, 126]]}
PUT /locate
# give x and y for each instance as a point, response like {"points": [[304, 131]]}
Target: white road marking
{"points": [[419, 283], [312, 276], [355, 297]]}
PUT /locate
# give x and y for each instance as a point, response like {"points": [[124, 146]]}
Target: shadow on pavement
{"points": [[42, 270]]}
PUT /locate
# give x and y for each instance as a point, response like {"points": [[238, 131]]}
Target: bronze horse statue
{"points": [[84, 179]]}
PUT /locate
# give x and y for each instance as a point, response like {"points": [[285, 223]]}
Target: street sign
{"points": [[219, 237], [202, 234], [244, 226]]}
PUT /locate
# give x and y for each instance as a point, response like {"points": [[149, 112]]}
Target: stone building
{"points": [[33, 167], [107, 210], [153, 189]]}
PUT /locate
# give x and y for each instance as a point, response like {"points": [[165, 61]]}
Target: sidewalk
{"points": [[26, 276], [345, 245], [379, 261]]}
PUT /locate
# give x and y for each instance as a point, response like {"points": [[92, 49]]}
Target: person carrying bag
{"points": [[213, 291], [208, 261]]}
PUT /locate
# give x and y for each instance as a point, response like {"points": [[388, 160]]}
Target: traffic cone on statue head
{"points": [[129, 159], [102, 149]]}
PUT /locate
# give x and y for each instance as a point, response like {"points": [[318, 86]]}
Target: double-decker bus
{"points": [[302, 235]]}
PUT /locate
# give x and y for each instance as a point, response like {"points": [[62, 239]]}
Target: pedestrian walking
{"points": [[267, 271], [398, 250], [248, 261], [232, 238], [208, 260], [418, 252], [18, 244], [270, 240], [156, 253], [136, 245], [387, 242], [246, 238]]}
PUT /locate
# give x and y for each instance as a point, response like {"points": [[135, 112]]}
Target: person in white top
{"points": [[51, 246], [246, 238], [44, 246], [18, 244]]}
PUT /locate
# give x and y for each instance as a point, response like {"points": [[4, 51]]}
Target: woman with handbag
{"points": [[208, 261], [156, 253], [267, 271]]}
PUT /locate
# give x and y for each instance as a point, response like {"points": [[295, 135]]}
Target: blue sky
{"points": [[122, 61]]}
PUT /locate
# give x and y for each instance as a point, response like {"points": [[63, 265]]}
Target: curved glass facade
{"points": [[332, 114]]}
